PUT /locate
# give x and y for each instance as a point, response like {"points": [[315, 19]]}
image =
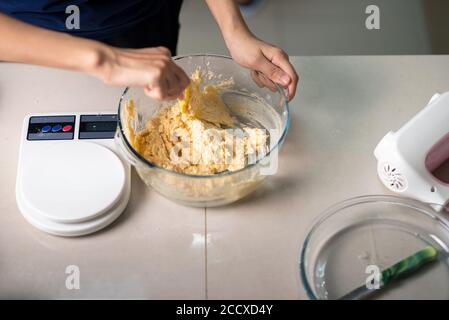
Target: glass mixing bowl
{"points": [[249, 103], [353, 236]]}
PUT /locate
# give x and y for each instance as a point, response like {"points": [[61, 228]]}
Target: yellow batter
{"points": [[197, 135]]}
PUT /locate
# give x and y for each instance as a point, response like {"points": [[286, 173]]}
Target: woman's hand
{"points": [[267, 62], [150, 68]]}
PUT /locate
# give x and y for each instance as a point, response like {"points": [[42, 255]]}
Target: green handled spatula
{"points": [[399, 270]]}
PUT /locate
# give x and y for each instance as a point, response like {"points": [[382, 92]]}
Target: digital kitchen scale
{"points": [[70, 179]]}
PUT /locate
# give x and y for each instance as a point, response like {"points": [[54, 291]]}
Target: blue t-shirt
{"points": [[98, 18]]}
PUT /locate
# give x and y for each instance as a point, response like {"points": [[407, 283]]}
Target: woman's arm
{"points": [[150, 68], [251, 52]]}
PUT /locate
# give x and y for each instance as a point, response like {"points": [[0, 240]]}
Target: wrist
{"points": [[234, 32], [95, 59], [236, 38]]}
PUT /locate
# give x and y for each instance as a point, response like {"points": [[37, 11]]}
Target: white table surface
{"points": [[158, 249]]}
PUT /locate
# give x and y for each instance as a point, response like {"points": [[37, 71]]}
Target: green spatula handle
{"points": [[409, 265]]}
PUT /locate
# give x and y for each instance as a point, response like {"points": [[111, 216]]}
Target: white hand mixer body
{"points": [[407, 159]]}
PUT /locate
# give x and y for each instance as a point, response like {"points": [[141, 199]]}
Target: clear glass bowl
{"points": [[375, 231], [258, 106]]}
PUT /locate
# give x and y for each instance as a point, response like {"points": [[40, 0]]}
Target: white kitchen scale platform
{"points": [[70, 179]]}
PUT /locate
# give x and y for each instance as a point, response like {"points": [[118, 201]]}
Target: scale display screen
{"points": [[97, 126]]}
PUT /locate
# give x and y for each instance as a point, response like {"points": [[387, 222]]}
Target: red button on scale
{"points": [[67, 128]]}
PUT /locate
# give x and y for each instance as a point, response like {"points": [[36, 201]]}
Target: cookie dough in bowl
{"points": [[214, 146]]}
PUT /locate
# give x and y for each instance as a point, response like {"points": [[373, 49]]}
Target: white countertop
{"points": [[157, 249]]}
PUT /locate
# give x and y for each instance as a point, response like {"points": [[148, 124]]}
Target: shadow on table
{"points": [[274, 187]]}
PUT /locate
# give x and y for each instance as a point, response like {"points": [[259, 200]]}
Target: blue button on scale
{"points": [[56, 128]]}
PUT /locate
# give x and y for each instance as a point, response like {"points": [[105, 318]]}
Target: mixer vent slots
{"points": [[392, 178]]}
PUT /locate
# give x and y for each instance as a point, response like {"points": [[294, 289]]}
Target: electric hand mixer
{"points": [[411, 159]]}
